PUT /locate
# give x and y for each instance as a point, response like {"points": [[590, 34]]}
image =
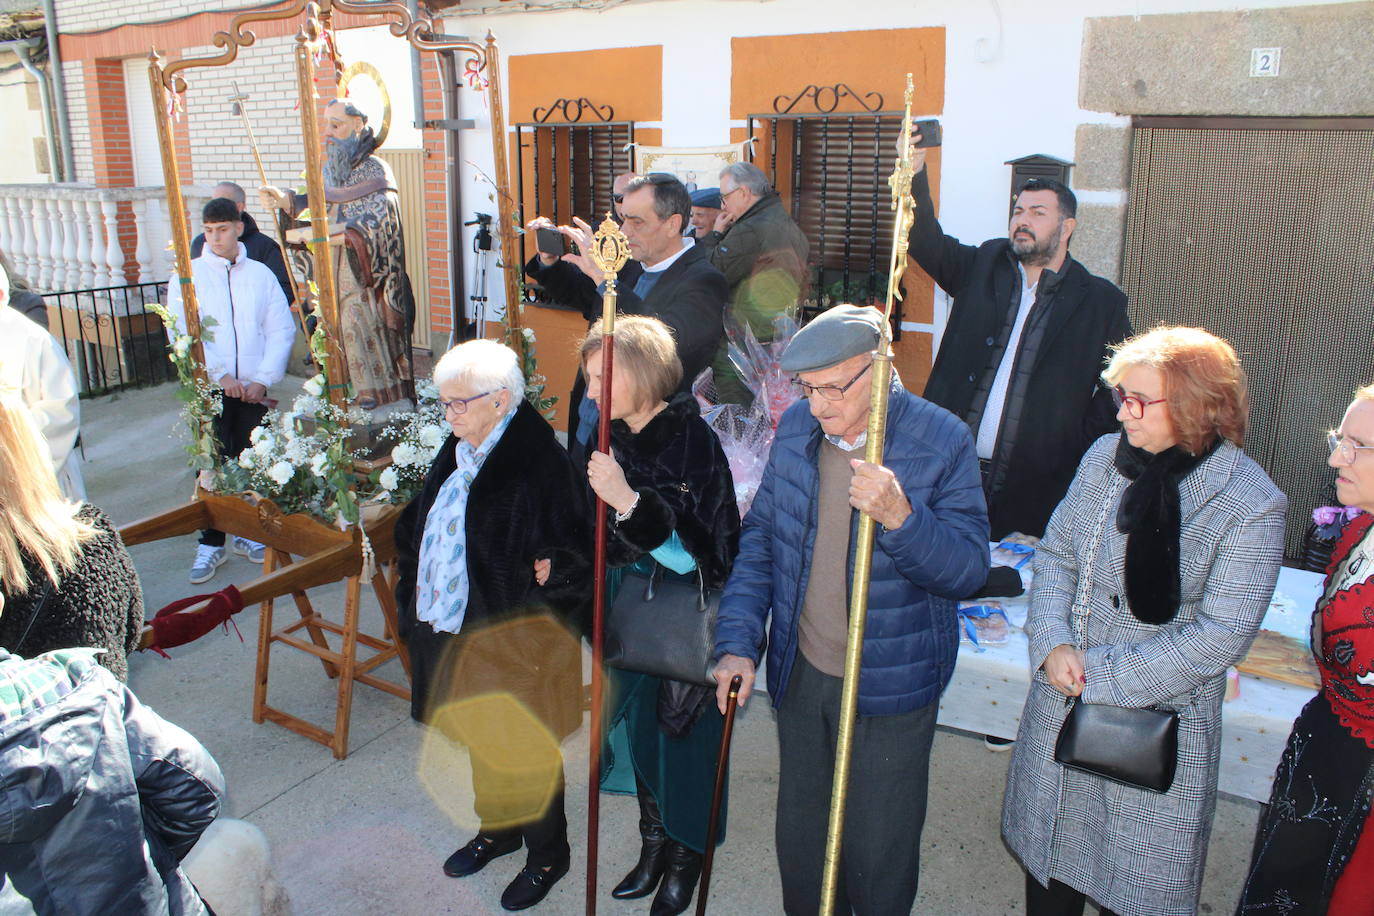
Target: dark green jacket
{"points": [[763, 257]]}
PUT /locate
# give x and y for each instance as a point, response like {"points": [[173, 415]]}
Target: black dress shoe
{"points": [[474, 857], [532, 885], [679, 881]]}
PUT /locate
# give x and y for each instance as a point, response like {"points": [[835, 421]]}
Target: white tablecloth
{"points": [[989, 688]]}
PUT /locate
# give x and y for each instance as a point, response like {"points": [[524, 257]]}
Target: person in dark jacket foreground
{"points": [[670, 500], [792, 579], [101, 798], [494, 577]]}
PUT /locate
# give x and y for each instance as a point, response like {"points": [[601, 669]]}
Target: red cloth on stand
{"points": [[172, 627]]}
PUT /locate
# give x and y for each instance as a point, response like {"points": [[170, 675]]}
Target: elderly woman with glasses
{"points": [[1152, 579], [1315, 848], [494, 580]]}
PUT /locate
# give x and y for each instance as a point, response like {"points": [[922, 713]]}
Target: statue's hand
{"points": [[273, 198]]}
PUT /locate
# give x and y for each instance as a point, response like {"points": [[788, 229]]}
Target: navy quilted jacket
{"points": [[920, 570]]}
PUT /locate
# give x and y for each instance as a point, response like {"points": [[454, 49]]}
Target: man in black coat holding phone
{"points": [[668, 277], [1028, 332]]}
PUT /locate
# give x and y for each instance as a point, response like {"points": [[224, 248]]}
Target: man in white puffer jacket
{"points": [[246, 349]]}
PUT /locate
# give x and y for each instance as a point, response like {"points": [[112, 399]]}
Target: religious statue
{"points": [[376, 305]]}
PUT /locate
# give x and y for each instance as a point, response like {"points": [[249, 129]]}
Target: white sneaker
{"points": [[208, 559], [251, 549]]}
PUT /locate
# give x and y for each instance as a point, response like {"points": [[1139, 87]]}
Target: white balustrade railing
{"points": [[71, 237]]}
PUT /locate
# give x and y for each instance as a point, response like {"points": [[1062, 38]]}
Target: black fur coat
{"points": [[525, 504], [677, 466]]}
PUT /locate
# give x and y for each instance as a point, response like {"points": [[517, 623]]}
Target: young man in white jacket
{"points": [[246, 350]]}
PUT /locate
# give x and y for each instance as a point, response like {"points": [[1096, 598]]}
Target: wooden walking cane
{"points": [[722, 765], [610, 250], [900, 183]]}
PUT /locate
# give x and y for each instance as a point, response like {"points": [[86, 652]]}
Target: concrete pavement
{"points": [[363, 836]]}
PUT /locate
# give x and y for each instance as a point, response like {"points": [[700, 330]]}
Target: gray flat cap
{"points": [[838, 333]]}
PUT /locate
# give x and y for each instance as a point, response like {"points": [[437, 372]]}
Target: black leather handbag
{"points": [[1137, 747], [664, 625], [1133, 746]]}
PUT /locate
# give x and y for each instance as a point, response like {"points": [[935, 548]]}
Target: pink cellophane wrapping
{"points": [[746, 434]]}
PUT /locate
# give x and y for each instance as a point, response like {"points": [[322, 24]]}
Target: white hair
{"points": [[484, 365]]}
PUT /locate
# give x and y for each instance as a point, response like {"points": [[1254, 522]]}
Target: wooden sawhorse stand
{"points": [[326, 555]]}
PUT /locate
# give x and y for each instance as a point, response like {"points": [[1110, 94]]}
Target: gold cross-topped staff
{"points": [[904, 205], [610, 250]]}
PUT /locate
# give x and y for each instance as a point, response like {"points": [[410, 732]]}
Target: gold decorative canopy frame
{"points": [[167, 85]]}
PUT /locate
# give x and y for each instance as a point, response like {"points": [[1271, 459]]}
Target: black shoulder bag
{"points": [[664, 625], [1136, 747]]}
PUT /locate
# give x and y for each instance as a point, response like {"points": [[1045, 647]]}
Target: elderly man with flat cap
{"points": [[791, 582]]}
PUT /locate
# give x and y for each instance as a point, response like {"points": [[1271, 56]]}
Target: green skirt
{"points": [[680, 772]]}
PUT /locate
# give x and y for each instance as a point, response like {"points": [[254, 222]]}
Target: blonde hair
{"points": [[35, 519], [1365, 394], [1204, 383], [645, 348]]}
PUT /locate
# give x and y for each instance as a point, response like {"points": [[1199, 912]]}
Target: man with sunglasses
{"points": [[791, 582], [1027, 336]]}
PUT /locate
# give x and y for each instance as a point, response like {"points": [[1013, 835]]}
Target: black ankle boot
{"points": [[679, 881], [644, 877]]}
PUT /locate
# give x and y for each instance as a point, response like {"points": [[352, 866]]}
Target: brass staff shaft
{"points": [[880, 384], [328, 301], [176, 211]]}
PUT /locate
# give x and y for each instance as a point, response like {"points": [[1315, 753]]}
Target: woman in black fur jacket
{"points": [[66, 578], [669, 493]]}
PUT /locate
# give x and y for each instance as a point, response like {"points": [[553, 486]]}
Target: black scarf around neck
{"points": [[1149, 516]]}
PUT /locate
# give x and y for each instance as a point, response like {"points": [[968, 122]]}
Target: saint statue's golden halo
{"points": [[363, 68]]}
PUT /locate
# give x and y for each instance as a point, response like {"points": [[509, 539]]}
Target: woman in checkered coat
{"points": [[1152, 579]]}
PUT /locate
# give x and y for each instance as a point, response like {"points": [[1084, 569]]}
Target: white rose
{"points": [[305, 405], [256, 435], [296, 450], [246, 458], [432, 437], [182, 346], [281, 472], [317, 464], [388, 479], [403, 455], [315, 386]]}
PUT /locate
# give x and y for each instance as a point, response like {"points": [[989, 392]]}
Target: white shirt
{"points": [[670, 260], [997, 397]]}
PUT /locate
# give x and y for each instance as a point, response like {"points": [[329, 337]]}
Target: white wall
{"points": [[22, 124], [1011, 75]]}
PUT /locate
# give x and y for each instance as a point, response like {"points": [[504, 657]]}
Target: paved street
{"points": [[363, 836]]}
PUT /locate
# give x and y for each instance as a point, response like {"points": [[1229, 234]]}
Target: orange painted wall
{"points": [[630, 80], [770, 66]]}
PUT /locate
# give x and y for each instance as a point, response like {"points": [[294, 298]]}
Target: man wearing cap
{"points": [[791, 582], [705, 211], [762, 252]]}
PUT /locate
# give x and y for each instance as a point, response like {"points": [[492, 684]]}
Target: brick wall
{"points": [[74, 75], [90, 15], [266, 73], [436, 240]]}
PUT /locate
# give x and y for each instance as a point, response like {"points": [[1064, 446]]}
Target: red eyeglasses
{"points": [[1134, 405]]}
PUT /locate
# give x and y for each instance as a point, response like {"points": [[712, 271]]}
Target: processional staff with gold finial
{"points": [[610, 250], [905, 207]]}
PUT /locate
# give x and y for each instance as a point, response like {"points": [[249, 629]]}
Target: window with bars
{"points": [[565, 168], [831, 170]]}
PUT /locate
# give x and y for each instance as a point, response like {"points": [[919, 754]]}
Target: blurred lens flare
{"points": [[502, 690]]}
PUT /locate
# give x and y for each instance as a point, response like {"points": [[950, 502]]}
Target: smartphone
{"points": [[551, 241], [929, 130]]}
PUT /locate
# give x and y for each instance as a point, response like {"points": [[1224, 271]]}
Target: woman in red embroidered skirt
{"points": [[1315, 848]]}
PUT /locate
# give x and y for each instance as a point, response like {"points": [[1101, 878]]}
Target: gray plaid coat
{"points": [[1135, 851]]}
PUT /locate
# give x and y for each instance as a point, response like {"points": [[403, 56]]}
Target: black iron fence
{"points": [[112, 340]]}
